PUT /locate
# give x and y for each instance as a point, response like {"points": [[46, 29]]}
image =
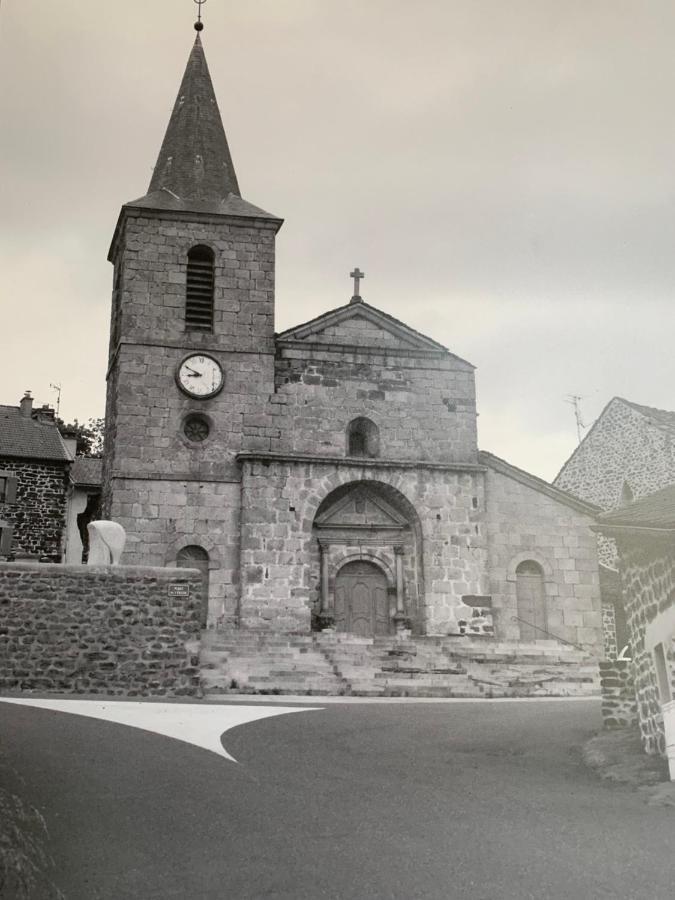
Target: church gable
{"points": [[361, 325]]}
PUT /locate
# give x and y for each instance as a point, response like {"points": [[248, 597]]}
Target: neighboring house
{"points": [[84, 503], [329, 474], [644, 533], [628, 453], [34, 465]]}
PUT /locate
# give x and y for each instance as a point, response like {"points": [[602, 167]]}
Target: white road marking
{"points": [[194, 723]]}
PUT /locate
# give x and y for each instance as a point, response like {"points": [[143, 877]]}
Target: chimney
{"points": [[45, 415], [26, 405]]}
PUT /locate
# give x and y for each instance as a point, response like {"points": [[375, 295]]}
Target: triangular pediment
{"points": [[361, 509], [361, 325]]}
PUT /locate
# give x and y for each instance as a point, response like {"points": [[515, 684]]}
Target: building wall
{"points": [[621, 447], [647, 568], [423, 404], [523, 523], [38, 515], [98, 629], [167, 491], [161, 517], [279, 552]]}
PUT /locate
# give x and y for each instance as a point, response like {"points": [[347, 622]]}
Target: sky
{"points": [[502, 171]]}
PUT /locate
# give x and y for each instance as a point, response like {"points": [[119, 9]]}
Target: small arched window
{"points": [[194, 557], [626, 494], [199, 289], [363, 438]]}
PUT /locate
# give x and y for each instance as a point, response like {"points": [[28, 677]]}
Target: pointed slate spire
{"points": [[194, 162]]}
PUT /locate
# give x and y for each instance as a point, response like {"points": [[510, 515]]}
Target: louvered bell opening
{"points": [[199, 290]]}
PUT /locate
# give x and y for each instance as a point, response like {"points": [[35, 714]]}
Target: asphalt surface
{"points": [[475, 800]]}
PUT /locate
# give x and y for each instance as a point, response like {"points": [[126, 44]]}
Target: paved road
{"points": [[471, 801]]}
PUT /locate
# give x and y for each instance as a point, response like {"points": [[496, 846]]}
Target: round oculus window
{"points": [[196, 429]]}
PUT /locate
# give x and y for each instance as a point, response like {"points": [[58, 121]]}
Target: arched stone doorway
{"points": [[195, 557], [368, 545], [362, 599]]}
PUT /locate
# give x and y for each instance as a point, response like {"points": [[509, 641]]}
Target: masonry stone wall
{"points": [[647, 568], [617, 684], [39, 513], [161, 517], [622, 447], [423, 404], [279, 556], [166, 490], [98, 629], [525, 524]]}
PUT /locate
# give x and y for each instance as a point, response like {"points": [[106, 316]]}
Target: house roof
{"points": [[28, 437], [311, 331], [662, 419], [656, 510], [537, 484], [87, 472]]}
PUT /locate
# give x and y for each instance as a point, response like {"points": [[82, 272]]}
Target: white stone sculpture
{"points": [[106, 543]]}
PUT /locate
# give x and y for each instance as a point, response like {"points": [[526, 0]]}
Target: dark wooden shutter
{"points": [[6, 532], [199, 289], [10, 489]]}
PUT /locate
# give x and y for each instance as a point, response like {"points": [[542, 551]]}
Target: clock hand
{"points": [[194, 372]]}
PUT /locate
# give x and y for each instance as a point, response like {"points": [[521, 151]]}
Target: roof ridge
{"points": [[536, 482]]}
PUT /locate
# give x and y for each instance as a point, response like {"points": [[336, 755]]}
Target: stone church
{"points": [[326, 476]]}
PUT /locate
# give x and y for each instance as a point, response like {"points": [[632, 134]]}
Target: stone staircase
{"points": [[328, 663]]}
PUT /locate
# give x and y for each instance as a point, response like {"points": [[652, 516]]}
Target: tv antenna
{"points": [[57, 388], [575, 401]]}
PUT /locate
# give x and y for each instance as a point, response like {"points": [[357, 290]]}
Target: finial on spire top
{"points": [[199, 25]]}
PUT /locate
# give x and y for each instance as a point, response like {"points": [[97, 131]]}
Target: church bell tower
{"points": [[191, 357]]}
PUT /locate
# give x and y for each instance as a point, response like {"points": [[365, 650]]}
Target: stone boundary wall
{"points": [[617, 684], [98, 629]]}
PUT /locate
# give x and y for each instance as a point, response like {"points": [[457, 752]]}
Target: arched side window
{"points": [[194, 557], [199, 289], [531, 601], [363, 438]]}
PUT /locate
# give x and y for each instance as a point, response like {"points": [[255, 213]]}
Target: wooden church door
{"points": [[361, 600]]}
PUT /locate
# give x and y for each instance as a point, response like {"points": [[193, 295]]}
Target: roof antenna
{"points": [[57, 388], [199, 25], [575, 401]]}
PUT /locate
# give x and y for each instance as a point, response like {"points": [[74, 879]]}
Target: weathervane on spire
{"points": [[199, 25]]}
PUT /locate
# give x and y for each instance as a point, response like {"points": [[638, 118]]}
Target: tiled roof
{"points": [[87, 472], [25, 436], [656, 510]]}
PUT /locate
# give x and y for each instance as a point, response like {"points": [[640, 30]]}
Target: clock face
{"points": [[200, 376]]}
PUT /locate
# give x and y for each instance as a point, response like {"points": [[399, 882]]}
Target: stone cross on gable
{"points": [[357, 275]]}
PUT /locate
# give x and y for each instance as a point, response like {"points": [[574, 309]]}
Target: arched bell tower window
{"points": [[363, 438], [199, 289]]}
